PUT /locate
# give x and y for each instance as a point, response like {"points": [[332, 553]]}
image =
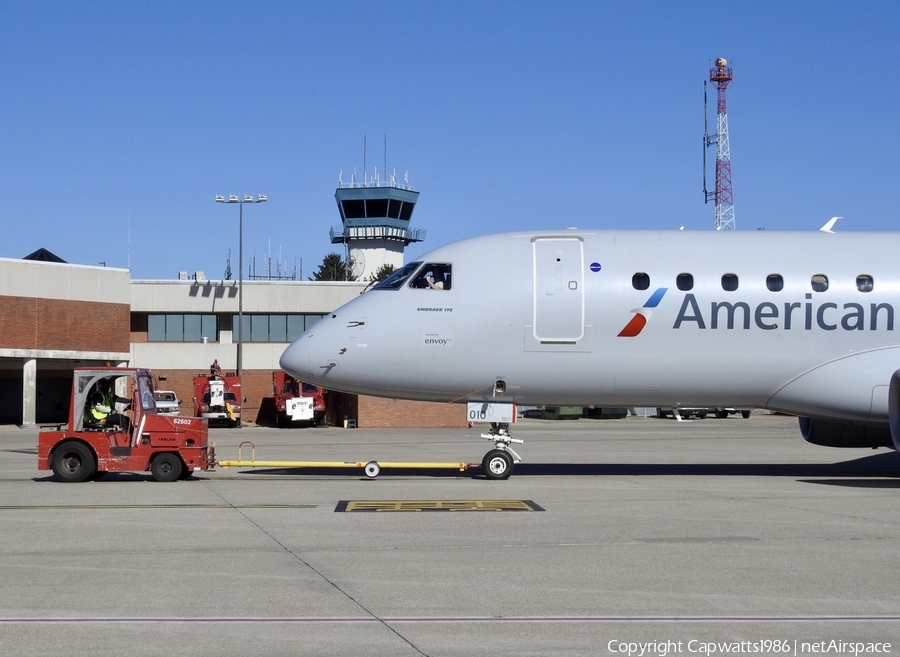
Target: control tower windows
{"points": [[353, 209], [376, 208]]}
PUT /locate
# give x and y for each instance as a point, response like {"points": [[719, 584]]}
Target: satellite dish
{"points": [[357, 263]]}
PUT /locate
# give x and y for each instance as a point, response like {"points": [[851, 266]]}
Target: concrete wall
{"points": [[259, 296], [54, 280]]}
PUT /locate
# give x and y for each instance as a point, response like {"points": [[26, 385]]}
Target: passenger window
{"points": [[433, 276], [819, 282], [640, 281], [774, 282], [684, 282], [864, 283], [729, 282]]}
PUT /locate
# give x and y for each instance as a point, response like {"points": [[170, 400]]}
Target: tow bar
{"points": [[371, 468]]}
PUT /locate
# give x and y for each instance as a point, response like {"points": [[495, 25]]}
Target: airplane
{"points": [[798, 322]]}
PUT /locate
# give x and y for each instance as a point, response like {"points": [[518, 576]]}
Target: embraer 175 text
{"points": [[803, 323]]}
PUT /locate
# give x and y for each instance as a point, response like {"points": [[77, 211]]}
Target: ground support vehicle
{"points": [[682, 413], [217, 397], [563, 412], [297, 401], [605, 412], [725, 412], [167, 402], [169, 447]]}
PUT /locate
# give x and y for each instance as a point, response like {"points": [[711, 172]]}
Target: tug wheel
{"points": [[166, 467], [73, 462]]}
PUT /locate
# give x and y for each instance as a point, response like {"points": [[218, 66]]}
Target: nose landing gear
{"points": [[499, 462]]}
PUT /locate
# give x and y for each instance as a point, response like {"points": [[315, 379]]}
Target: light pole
{"points": [[261, 198]]}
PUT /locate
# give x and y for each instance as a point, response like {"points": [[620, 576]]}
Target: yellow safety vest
{"points": [[97, 416]]}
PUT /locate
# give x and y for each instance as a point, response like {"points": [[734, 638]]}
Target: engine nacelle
{"points": [[844, 434], [894, 408]]}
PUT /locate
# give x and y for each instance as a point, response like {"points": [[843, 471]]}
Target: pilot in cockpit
{"points": [[436, 277]]}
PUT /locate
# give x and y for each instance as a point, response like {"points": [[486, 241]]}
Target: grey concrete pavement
{"points": [[652, 530]]}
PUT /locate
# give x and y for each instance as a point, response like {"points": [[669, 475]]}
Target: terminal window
{"points": [[182, 328], [272, 328]]}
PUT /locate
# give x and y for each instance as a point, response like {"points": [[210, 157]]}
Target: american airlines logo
{"points": [[767, 316], [642, 314]]}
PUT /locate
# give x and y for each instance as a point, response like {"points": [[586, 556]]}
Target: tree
{"points": [[383, 272], [333, 268]]}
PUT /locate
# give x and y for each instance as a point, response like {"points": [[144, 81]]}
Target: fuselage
{"points": [[804, 323]]}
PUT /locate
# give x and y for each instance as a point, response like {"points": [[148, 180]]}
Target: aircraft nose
{"points": [[295, 359]]}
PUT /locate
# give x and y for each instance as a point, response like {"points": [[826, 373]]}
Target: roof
{"points": [[43, 255]]}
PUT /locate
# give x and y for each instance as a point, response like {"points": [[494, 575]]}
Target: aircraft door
{"points": [[558, 289]]}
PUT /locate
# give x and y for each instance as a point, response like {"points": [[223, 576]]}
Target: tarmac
{"points": [[634, 538]]}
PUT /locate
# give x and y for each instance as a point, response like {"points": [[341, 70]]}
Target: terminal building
{"points": [[55, 316]]}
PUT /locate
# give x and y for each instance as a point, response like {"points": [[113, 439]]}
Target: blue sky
{"points": [[507, 116]]}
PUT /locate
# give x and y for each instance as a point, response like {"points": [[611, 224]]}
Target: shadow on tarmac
{"points": [[883, 465], [877, 471]]}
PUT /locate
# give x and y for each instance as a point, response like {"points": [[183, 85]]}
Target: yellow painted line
{"points": [[11, 507], [349, 506]]}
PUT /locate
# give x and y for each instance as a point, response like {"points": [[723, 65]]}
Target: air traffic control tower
{"points": [[375, 218]]}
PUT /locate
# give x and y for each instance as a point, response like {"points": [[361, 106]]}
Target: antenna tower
{"points": [[720, 76]]}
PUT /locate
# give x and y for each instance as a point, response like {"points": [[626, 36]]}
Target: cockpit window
{"points": [[433, 276], [396, 280]]}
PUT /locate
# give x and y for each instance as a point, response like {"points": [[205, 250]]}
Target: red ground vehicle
{"points": [[169, 447], [297, 401], [217, 396]]}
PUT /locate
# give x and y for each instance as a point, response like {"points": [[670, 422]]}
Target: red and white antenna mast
{"points": [[720, 76]]}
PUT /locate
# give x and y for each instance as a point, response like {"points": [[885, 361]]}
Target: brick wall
{"points": [[256, 387], [35, 323], [378, 413], [369, 412]]}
